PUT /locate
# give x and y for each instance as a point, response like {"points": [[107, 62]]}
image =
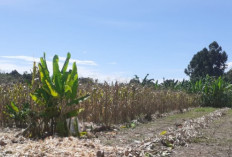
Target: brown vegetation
{"points": [[108, 104]]}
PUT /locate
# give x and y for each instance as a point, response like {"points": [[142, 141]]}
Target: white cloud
{"points": [[32, 59], [8, 67], [112, 77], [229, 65], [79, 61], [25, 58]]}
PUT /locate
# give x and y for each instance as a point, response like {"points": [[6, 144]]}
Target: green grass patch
{"points": [[229, 141], [203, 140], [194, 113], [229, 112], [204, 109]]}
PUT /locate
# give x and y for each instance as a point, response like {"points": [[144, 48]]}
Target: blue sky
{"points": [[113, 39]]}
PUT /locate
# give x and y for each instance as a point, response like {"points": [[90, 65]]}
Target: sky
{"points": [[113, 39]]}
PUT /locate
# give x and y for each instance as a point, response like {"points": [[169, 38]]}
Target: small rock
{"points": [[14, 140], [2, 143], [138, 142], [100, 153], [9, 152], [126, 153], [70, 138]]}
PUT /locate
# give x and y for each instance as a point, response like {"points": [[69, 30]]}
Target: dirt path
{"points": [[145, 131], [144, 139], [216, 139], [215, 142]]}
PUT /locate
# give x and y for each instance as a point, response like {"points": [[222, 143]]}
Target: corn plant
{"points": [[17, 93], [119, 103], [56, 98]]}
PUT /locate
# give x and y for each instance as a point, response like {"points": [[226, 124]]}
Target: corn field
{"points": [[118, 103], [18, 93], [108, 104]]}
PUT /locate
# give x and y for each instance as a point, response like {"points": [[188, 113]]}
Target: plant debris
{"points": [[160, 145], [179, 135]]}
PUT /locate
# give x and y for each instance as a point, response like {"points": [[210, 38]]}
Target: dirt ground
{"points": [[215, 142], [211, 132], [150, 129]]}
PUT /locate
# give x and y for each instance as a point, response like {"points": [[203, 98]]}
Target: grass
{"points": [[229, 112], [194, 113], [204, 109], [203, 140]]}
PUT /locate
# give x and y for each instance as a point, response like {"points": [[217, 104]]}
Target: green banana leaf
{"points": [[65, 66], [53, 92], [73, 113], [44, 66], [57, 74], [68, 89], [77, 101]]}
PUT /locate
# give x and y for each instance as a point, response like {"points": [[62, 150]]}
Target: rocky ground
{"points": [[199, 132]]}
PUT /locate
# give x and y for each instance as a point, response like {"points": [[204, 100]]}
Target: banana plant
{"points": [[57, 95], [216, 92]]}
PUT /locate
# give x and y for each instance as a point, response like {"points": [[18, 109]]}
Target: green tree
{"points": [[15, 73], [86, 80], [210, 61]]}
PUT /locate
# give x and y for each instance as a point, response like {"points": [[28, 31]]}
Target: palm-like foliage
{"points": [[56, 97]]}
